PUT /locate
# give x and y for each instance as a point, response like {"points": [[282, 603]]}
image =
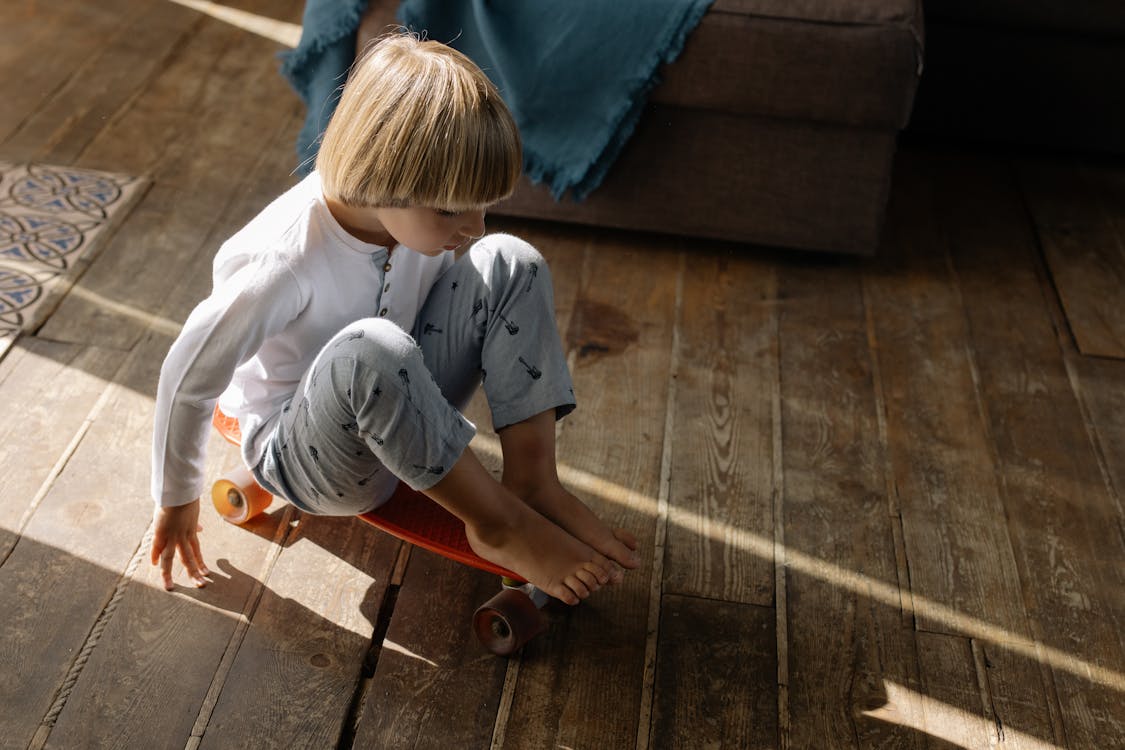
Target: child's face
{"points": [[431, 231]]}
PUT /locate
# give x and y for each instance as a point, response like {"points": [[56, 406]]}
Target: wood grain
{"points": [[292, 681], [722, 459], [621, 331], [435, 686], [958, 711], [1079, 219], [845, 639], [75, 548], [189, 128], [960, 557], [43, 48], [56, 386], [138, 42], [1062, 519], [715, 685]]}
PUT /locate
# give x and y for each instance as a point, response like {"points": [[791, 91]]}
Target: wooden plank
{"points": [[295, 674], [1065, 523], [961, 563], [621, 332], [52, 389], [140, 611], [958, 712], [44, 49], [68, 565], [1099, 385], [222, 105], [169, 655], [434, 686], [722, 466], [715, 685], [1075, 211], [96, 89], [159, 654], [843, 634], [219, 93], [976, 695], [1017, 701]]}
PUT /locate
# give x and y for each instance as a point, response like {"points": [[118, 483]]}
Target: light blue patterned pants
{"points": [[379, 405]]}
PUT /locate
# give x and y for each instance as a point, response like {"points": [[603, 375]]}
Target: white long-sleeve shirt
{"points": [[282, 287]]}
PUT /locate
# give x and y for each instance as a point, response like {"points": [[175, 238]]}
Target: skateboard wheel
{"points": [[507, 621], [237, 497]]}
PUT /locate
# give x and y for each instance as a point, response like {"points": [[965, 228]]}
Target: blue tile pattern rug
{"points": [[52, 222]]}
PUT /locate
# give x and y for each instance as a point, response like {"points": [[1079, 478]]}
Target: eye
{"points": [[448, 214]]}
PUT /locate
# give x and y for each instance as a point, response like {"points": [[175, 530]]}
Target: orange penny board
{"points": [[408, 515]]}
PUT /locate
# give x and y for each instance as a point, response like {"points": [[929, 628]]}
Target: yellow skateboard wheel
{"points": [[237, 497]]}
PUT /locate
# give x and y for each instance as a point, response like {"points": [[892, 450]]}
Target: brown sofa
{"points": [[776, 125]]}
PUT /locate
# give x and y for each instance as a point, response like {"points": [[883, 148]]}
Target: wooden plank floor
{"points": [[880, 500]]}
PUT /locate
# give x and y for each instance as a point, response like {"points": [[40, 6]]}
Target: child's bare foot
{"points": [[556, 503], [544, 554]]}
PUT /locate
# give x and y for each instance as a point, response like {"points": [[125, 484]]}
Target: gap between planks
{"points": [[354, 716], [511, 674], [1033, 628], [289, 521], [42, 734], [1068, 346], [59, 466], [652, 632], [902, 562], [781, 599]]}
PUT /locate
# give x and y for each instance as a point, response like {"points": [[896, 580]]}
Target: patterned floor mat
{"points": [[53, 221]]}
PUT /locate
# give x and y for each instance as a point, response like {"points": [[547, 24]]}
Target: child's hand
{"points": [[177, 528]]}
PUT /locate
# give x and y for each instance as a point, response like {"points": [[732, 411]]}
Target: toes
{"points": [[576, 585], [626, 550], [591, 578], [626, 537]]}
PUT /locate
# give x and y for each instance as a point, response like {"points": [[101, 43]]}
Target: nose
{"points": [[474, 223]]}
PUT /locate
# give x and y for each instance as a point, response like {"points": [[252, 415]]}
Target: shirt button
{"points": [[386, 267], [383, 313]]}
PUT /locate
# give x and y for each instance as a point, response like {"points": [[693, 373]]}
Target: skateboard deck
{"points": [[408, 515]]}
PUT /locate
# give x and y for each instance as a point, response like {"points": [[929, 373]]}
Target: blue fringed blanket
{"points": [[575, 74]]}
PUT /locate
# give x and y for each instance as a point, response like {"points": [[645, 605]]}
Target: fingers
{"points": [[166, 566], [158, 544], [199, 556], [191, 564]]}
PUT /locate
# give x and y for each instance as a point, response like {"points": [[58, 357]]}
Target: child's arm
{"points": [[253, 303]]}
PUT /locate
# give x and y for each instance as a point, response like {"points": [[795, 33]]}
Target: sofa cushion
{"points": [[853, 62]]}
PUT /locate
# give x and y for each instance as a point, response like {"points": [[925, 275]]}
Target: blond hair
{"points": [[419, 124]]}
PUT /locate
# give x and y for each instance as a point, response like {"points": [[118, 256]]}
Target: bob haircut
{"points": [[419, 124]]}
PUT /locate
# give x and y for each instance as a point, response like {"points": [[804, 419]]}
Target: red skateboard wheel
{"points": [[507, 621]]}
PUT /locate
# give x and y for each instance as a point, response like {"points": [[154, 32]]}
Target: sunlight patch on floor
{"points": [[885, 593], [389, 645], [927, 715], [157, 323], [282, 32]]}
